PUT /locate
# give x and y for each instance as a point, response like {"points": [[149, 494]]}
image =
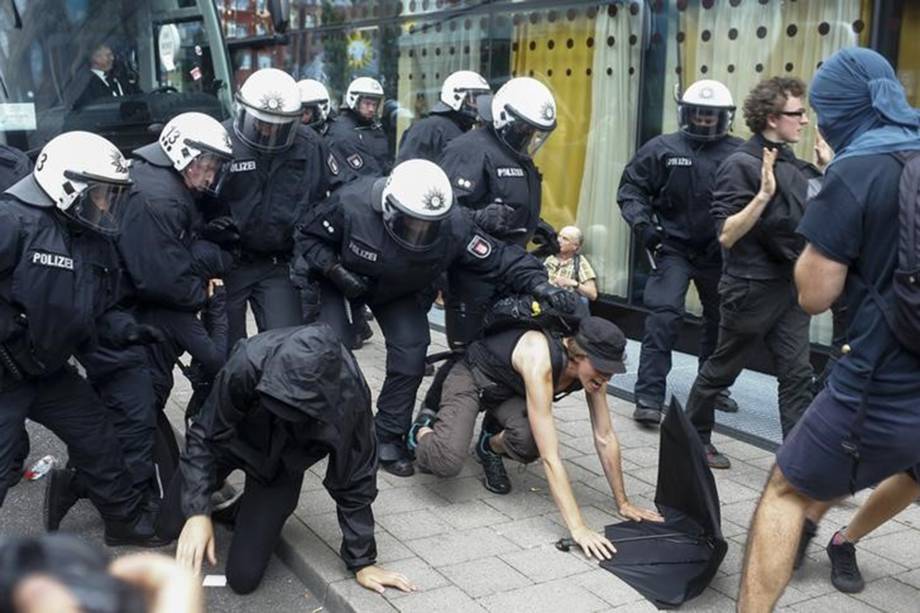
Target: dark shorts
{"points": [[813, 460]]}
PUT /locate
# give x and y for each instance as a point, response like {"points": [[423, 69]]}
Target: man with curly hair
{"points": [[758, 200]]}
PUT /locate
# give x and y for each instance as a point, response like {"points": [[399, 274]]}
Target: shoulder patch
{"points": [[355, 161], [243, 166], [509, 171], [677, 160], [480, 247], [333, 165]]}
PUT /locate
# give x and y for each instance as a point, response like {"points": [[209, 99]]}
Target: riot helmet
{"points": [[314, 102], [415, 199], [706, 110], [460, 93], [268, 110], [368, 90], [199, 148], [523, 115]]}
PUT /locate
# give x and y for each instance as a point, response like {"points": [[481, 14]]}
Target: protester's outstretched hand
{"points": [[593, 544], [630, 511], [377, 579], [196, 539]]}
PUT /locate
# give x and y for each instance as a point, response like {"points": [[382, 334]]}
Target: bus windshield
{"points": [[120, 69]]}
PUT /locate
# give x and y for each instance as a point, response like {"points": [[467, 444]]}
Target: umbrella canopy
{"points": [[672, 562]]}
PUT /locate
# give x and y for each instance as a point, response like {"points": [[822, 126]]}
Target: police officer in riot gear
{"points": [[355, 134], [164, 244], [664, 195], [315, 105], [386, 240], [455, 112], [279, 170], [58, 262]]}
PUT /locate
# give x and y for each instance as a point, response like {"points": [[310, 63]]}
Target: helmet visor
{"points": [[411, 232], [704, 123], [311, 114], [524, 138], [206, 173], [265, 135], [99, 207], [470, 105]]}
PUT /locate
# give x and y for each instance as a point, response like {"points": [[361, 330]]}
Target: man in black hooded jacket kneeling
{"points": [[285, 399]]}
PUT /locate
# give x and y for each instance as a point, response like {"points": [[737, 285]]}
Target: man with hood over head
{"points": [[864, 425], [285, 399]]}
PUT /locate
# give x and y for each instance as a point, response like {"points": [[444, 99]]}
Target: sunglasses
{"points": [[800, 113]]}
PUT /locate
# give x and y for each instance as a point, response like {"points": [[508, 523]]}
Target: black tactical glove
{"points": [[494, 218], [560, 299], [221, 230], [546, 239], [138, 334], [350, 284], [651, 236]]}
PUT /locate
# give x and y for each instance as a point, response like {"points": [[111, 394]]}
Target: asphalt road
{"points": [[21, 514]]}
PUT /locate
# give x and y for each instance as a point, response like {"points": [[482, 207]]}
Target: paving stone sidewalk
{"points": [[470, 550]]}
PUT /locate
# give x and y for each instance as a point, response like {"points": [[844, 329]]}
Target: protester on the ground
{"points": [[386, 241], [759, 196], [285, 400], [665, 195], [515, 376], [569, 269], [864, 426]]}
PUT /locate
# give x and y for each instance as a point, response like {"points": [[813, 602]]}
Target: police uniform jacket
{"points": [[14, 165], [483, 170], [310, 369], [363, 147], [267, 193], [58, 286], [427, 138], [770, 248], [347, 228], [671, 179]]}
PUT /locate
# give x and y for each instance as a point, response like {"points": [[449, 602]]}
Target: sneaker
{"points": [[496, 479], [646, 416], [725, 403], [424, 419], [809, 530], [845, 573], [715, 459], [60, 496]]}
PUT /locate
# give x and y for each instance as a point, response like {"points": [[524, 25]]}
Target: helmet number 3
{"points": [[40, 165]]}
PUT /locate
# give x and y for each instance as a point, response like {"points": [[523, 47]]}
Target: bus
{"points": [[161, 57]]}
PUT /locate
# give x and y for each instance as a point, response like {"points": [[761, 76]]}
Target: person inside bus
{"points": [[105, 80]]}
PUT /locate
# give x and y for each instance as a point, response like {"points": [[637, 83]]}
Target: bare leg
{"points": [[771, 545], [497, 443], [890, 498]]}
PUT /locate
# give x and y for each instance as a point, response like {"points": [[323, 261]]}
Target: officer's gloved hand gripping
{"points": [[221, 230], [560, 299], [350, 284], [135, 334]]}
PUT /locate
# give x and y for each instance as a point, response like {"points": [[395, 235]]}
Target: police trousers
{"points": [[753, 310], [265, 285], [65, 403], [444, 450], [404, 323], [665, 294]]}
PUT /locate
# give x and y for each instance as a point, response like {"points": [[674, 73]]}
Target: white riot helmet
{"points": [[199, 144], [523, 115], [706, 110], [314, 97], [416, 197], [268, 110], [363, 87], [461, 90], [83, 175]]}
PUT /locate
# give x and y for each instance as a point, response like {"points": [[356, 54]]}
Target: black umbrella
{"points": [[672, 562]]}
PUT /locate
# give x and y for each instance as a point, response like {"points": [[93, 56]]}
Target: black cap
{"points": [[604, 343]]}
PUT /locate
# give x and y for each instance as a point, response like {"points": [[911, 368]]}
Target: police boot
{"points": [[725, 403], [647, 414], [394, 458], [138, 531], [60, 496]]}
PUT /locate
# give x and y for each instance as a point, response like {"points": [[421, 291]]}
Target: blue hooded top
{"points": [[862, 108]]}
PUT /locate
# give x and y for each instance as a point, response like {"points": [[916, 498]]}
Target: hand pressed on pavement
{"points": [[377, 579], [196, 539], [630, 511], [593, 544]]}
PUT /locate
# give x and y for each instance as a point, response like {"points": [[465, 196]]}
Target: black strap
{"points": [[577, 268]]}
